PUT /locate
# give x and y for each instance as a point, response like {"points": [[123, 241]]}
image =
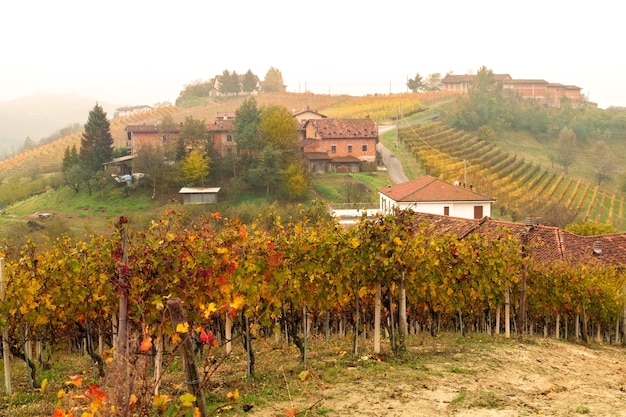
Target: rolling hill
{"points": [[513, 168]]}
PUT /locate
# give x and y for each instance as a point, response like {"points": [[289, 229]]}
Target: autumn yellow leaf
{"points": [[208, 310], [182, 327], [233, 396], [44, 383], [304, 375], [176, 338], [132, 400], [196, 412], [238, 302], [187, 399], [160, 402]]}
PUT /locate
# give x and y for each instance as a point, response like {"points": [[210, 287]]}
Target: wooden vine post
{"points": [[6, 353], [192, 376]]}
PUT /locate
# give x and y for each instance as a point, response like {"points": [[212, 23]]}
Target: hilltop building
{"points": [[548, 94]]}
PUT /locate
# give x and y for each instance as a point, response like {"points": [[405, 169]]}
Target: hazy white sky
{"points": [[142, 52]]}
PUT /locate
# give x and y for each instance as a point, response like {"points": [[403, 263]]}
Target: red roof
{"points": [[545, 243], [220, 126], [344, 128], [430, 189]]}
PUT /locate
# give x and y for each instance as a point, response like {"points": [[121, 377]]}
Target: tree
{"points": [[297, 181], [70, 158], [96, 144], [196, 167], [267, 171], [28, 145], [433, 82], [152, 161], [249, 83], [278, 128], [415, 84], [565, 150], [195, 133], [273, 82], [590, 228], [603, 161], [246, 126]]}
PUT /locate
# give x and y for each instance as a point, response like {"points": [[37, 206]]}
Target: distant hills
{"points": [[39, 116]]}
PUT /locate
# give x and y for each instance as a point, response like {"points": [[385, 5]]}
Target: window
{"points": [[333, 149], [478, 212], [229, 138], [163, 139], [349, 148], [364, 148], [446, 211]]}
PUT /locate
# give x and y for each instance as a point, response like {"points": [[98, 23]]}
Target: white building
{"points": [[431, 195]]}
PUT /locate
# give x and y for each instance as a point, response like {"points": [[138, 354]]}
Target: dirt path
{"points": [[546, 377]]}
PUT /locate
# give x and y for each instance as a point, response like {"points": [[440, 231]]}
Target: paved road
{"points": [[393, 164]]}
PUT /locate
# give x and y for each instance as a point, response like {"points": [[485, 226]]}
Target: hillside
{"points": [[40, 115], [514, 168]]}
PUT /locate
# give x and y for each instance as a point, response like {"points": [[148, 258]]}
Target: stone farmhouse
{"points": [[327, 145], [339, 145], [431, 195], [548, 94]]}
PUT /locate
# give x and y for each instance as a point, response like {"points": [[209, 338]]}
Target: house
{"points": [[302, 117], [221, 133], [130, 110], [548, 94], [462, 83], [431, 195], [138, 135], [192, 195], [339, 145]]}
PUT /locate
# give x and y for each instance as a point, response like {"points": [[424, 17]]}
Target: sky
{"points": [[136, 52]]}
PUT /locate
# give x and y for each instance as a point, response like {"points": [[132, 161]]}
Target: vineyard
{"points": [[521, 189], [115, 297]]}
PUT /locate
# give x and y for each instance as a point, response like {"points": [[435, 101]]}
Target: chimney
{"points": [[597, 248]]}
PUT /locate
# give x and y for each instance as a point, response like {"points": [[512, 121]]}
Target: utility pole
{"points": [[397, 119], [522, 298]]}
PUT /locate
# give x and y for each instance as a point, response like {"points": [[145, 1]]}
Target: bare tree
{"points": [[566, 148]]}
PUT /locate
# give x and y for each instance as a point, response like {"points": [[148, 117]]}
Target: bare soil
{"points": [[483, 377]]}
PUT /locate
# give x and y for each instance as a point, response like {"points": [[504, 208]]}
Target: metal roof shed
{"points": [[193, 195]]}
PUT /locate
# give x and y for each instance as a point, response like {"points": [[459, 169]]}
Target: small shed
{"points": [[193, 195]]}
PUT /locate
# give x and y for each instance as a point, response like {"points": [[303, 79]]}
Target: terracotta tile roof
{"points": [[526, 82], [468, 78], [317, 156], [430, 189], [567, 87], [295, 113], [345, 159], [220, 126], [345, 128], [545, 243], [142, 128]]}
